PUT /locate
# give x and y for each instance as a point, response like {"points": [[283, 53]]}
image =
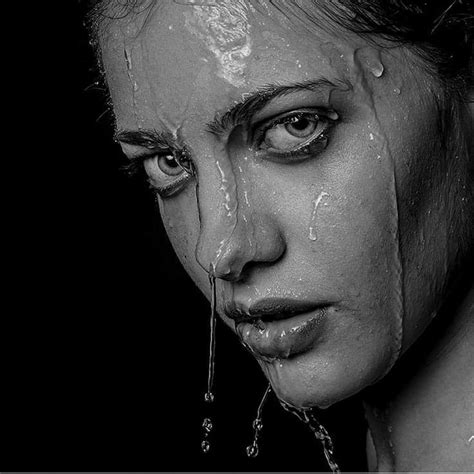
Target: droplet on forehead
{"points": [[371, 60], [224, 29]]}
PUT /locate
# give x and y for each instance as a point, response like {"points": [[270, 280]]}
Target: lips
{"points": [[279, 328]]}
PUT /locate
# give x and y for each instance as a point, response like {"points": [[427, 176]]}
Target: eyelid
{"points": [[136, 167], [138, 152], [259, 128]]}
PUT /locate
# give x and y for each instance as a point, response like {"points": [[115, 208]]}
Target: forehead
{"points": [[183, 58]]}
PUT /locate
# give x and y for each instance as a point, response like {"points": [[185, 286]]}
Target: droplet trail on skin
{"points": [[316, 202]]}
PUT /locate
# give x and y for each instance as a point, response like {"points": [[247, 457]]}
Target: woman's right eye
{"points": [[168, 172], [167, 164]]}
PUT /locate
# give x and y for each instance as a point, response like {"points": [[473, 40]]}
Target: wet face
{"points": [[303, 168]]}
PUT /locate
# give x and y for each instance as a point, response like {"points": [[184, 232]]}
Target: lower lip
{"points": [[283, 338]]}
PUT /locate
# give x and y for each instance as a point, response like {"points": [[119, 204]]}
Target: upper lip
{"points": [[270, 309]]}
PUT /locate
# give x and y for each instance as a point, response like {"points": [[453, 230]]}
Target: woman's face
{"points": [[303, 167]]}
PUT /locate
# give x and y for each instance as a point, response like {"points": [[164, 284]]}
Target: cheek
{"points": [[181, 221]]}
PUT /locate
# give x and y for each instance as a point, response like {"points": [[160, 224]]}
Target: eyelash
{"points": [[308, 148], [136, 166]]}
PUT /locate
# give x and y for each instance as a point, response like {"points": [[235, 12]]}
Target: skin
{"points": [[362, 223]]}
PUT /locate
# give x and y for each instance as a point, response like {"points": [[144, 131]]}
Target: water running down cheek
{"points": [[236, 195]]}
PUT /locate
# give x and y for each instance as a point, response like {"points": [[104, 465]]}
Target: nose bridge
{"points": [[233, 232]]}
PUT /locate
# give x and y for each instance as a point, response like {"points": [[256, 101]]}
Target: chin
{"points": [[303, 382]]}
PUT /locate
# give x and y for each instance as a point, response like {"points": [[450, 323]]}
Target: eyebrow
{"points": [[254, 102], [146, 138], [241, 112]]}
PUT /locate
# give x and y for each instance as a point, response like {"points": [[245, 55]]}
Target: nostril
{"points": [[225, 272]]}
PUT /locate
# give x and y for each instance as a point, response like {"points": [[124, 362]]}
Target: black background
{"points": [[105, 351]]}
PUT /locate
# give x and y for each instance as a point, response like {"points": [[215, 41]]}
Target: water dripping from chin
{"points": [[307, 416], [253, 449]]}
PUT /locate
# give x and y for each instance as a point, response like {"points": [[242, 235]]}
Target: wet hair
{"points": [[440, 32]]}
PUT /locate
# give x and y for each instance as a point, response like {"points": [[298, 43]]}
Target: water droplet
{"points": [[319, 432], [257, 425], [208, 397], [205, 446], [207, 425], [252, 451], [377, 70]]}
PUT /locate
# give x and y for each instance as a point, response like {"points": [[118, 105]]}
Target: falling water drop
{"points": [[320, 433], [205, 446], [377, 70], [209, 395], [207, 425], [252, 450]]}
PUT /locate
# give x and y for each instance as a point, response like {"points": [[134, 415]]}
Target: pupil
{"points": [[170, 161], [301, 124]]}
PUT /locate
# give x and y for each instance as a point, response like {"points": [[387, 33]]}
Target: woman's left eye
{"points": [[294, 134]]}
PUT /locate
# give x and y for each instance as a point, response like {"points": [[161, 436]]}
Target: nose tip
{"points": [[229, 264], [244, 248]]}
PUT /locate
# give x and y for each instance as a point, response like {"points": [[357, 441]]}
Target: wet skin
{"points": [[355, 221]]}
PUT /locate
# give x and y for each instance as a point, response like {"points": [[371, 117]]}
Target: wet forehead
{"points": [[180, 58]]}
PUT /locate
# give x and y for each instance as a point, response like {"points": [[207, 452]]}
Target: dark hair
{"points": [[439, 31]]}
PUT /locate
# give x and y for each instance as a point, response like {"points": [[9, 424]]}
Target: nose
{"points": [[234, 234], [248, 244]]}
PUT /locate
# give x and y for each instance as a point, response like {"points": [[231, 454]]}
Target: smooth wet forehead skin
{"points": [[218, 52], [325, 228]]}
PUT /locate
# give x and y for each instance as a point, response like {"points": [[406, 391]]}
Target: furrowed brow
{"points": [[146, 138], [256, 101]]}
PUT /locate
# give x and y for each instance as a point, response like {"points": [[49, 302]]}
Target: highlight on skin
{"points": [[322, 180]]}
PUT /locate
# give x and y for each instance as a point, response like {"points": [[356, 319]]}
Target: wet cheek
{"points": [[180, 218]]}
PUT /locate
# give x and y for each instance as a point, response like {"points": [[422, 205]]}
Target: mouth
{"points": [[279, 328]]}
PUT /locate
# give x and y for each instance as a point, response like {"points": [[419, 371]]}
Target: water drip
{"points": [[378, 70], [128, 60], [319, 432], [252, 450], [224, 29], [316, 202], [364, 60], [209, 395]]}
